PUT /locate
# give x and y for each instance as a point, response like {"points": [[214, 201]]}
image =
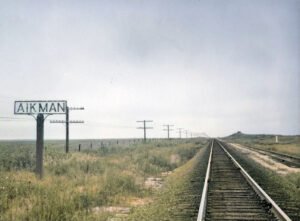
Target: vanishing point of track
{"points": [[229, 193]]}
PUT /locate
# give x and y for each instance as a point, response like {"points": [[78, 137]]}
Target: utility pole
{"points": [[179, 131], [168, 129], [186, 133], [67, 130], [67, 122], [144, 127]]}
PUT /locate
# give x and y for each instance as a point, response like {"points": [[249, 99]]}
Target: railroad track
{"points": [[229, 193], [286, 159]]}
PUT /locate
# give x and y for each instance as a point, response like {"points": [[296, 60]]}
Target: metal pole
{"points": [[39, 145], [67, 130], [79, 147]]}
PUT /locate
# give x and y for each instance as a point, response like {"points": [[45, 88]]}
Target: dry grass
{"points": [[76, 183], [174, 201]]}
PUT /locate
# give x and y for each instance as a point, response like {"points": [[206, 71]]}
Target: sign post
{"points": [[38, 109], [39, 144]]}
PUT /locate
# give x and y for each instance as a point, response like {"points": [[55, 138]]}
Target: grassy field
{"points": [[104, 179], [287, 144]]}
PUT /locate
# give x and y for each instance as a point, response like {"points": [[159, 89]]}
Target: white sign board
{"points": [[40, 107]]}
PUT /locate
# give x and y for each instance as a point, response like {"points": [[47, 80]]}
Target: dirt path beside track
{"points": [[266, 161]]}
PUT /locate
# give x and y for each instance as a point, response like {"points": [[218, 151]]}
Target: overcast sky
{"points": [[206, 66]]}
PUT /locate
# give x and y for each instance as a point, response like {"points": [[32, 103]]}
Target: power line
{"points": [[70, 121], [105, 125], [17, 119], [13, 119]]}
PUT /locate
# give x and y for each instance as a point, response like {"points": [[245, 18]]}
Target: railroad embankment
{"points": [[180, 196]]}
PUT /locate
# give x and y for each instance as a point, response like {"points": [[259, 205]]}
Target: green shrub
{"points": [[15, 157], [61, 169], [117, 184], [51, 207]]}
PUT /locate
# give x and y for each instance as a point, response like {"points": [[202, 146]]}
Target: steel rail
{"points": [[275, 208], [274, 152], [278, 156], [202, 207]]}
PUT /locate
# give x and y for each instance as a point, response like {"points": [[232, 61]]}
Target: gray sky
{"points": [[207, 66]]}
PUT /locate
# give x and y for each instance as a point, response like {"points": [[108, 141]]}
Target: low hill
{"points": [[239, 135]]}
